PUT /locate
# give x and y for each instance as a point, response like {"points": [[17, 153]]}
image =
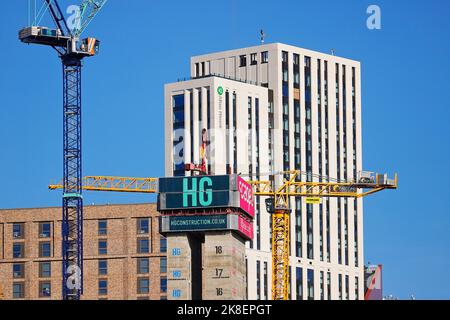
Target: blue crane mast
{"points": [[71, 50]]}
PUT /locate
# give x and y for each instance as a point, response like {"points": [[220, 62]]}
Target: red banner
{"points": [[246, 197]]}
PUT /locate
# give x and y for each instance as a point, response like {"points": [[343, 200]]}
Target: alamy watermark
{"points": [[374, 20], [74, 279], [74, 19]]}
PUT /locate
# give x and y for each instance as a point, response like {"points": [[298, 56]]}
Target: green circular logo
{"points": [[220, 90]]}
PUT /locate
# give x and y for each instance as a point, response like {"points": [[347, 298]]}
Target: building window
{"points": [[45, 270], [178, 135], [328, 231], [347, 289], [163, 285], [102, 287], [339, 226], [242, 61], [296, 58], [285, 119], [246, 274], [143, 226], [253, 59], [45, 250], [296, 71], [299, 283], [266, 297], [346, 230], [308, 123], [329, 285], [18, 249], [18, 270], [227, 127], [143, 245], [45, 289], [356, 288], [102, 247], [298, 227], [18, 230], [284, 56], [338, 122], [163, 265], [162, 245], [310, 230], [264, 57], [143, 266], [102, 227], [143, 286], [322, 286], [197, 70], [18, 290], [102, 267], [258, 172], [258, 280], [310, 284], [44, 229], [355, 231]]}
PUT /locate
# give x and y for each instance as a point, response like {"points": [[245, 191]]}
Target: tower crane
{"points": [[277, 204], [65, 40]]}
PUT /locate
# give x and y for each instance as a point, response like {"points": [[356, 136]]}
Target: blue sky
{"points": [[405, 68]]}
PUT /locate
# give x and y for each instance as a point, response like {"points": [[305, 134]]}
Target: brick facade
{"points": [[122, 236]]}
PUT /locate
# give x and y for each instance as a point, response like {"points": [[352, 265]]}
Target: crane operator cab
{"points": [[90, 46]]}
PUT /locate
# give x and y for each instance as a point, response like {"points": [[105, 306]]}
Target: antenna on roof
{"points": [[263, 36], [333, 52]]}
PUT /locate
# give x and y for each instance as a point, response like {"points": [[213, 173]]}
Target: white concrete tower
{"points": [[285, 108]]}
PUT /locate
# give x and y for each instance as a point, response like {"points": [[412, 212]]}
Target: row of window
{"points": [[18, 229], [143, 286], [45, 287], [143, 267], [142, 226], [45, 270], [142, 245], [258, 280], [324, 285], [200, 67], [253, 59], [45, 249]]}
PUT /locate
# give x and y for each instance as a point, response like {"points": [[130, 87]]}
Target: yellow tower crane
{"points": [[278, 204]]}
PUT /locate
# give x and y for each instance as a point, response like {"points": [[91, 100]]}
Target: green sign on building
{"points": [[194, 192]]}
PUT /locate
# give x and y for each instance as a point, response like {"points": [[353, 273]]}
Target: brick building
{"points": [[124, 253]]}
